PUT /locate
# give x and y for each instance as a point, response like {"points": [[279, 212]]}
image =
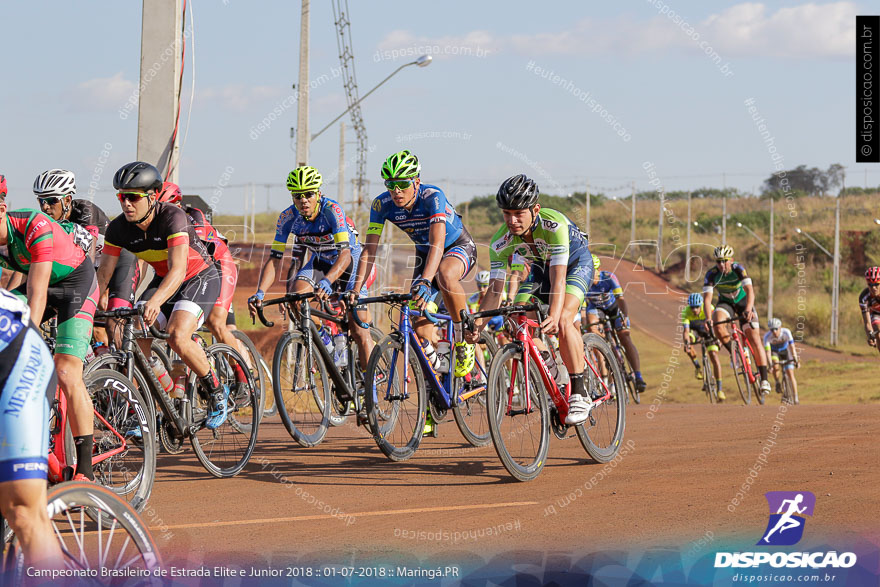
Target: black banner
{"points": [[867, 68]]}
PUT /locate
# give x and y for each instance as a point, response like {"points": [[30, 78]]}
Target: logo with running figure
{"points": [[787, 511]]}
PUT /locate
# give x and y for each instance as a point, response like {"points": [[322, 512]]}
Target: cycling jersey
{"points": [[558, 241], [27, 380], [430, 207], [35, 238], [216, 245], [730, 286], [92, 218], [170, 227], [325, 235], [868, 303], [688, 315], [604, 293], [780, 343]]}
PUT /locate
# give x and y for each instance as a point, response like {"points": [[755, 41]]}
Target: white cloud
{"points": [[99, 94], [238, 97]]}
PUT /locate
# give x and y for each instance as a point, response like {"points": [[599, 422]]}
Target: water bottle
{"points": [[553, 369], [179, 390], [325, 338], [563, 378], [431, 354], [161, 374], [340, 350], [443, 348]]}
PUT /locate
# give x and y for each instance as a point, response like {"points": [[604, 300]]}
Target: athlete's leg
{"points": [[23, 503]]}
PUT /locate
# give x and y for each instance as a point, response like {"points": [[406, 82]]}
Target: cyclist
{"points": [[60, 283], [319, 225], [186, 284], [561, 273], [736, 298], [779, 345], [55, 190], [445, 251], [605, 295], [27, 386], [869, 304], [693, 322]]}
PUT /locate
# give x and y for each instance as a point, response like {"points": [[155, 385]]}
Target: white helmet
{"points": [[55, 182], [774, 323], [482, 278]]}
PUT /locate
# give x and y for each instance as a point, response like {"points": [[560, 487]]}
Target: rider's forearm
{"points": [[267, 273], [557, 289], [343, 259], [623, 307], [169, 285], [365, 264], [436, 239], [750, 297]]}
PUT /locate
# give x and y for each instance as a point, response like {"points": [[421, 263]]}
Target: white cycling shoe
{"points": [[765, 387], [579, 409]]}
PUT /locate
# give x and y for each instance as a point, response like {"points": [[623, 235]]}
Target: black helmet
{"points": [[137, 176], [517, 193]]}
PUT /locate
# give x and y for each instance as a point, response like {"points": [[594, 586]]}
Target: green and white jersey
{"points": [[558, 241]]}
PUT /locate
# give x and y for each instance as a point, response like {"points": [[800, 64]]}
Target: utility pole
{"points": [[303, 138], [341, 177], [687, 258], [247, 197], [632, 230], [659, 260], [723, 209], [254, 210], [588, 207], [770, 286], [835, 294]]}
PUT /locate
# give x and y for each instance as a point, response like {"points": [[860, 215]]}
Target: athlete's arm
{"points": [[436, 240], [550, 325], [37, 288], [177, 258], [343, 259], [108, 266], [15, 279], [368, 255]]}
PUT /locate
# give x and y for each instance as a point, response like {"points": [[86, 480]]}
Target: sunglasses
{"points": [[131, 197], [721, 261], [303, 195], [49, 200], [398, 184]]}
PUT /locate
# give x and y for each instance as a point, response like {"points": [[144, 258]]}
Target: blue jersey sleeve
{"points": [[282, 232], [335, 218]]}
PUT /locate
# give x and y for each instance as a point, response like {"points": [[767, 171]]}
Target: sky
{"points": [[571, 93]]}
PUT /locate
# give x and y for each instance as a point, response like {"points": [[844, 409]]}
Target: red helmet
{"points": [[872, 275], [2, 186], [170, 193]]}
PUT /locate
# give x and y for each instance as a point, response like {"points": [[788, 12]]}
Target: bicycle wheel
{"points": [[302, 389], [602, 433], [122, 424], [520, 430], [253, 360], [397, 399], [225, 451], [470, 413], [120, 542], [629, 378], [739, 373], [754, 384], [709, 382]]}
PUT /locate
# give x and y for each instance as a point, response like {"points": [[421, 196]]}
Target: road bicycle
{"points": [[312, 389], [520, 417], [407, 384], [789, 396], [613, 339], [741, 357], [224, 451], [99, 534], [710, 384]]}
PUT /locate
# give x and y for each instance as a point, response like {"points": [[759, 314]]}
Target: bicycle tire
{"points": [[211, 446], [788, 395], [470, 415], [629, 377], [122, 406], [602, 434], [709, 378], [397, 425], [304, 409], [526, 461], [114, 361], [754, 384], [255, 369], [124, 540], [739, 373]]}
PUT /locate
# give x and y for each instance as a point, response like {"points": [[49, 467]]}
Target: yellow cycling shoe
{"points": [[430, 426], [465, 357]]}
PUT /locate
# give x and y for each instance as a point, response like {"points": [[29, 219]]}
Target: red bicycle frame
{"points": [[741, 340]]}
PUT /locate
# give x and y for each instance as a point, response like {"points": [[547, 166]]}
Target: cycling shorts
{"points": [[577, 281], [619, 321], [779, 355], [317, 267], [197, 295], [736, 310], [124, 281], [697, 330], [875, 318], [29, 383], [464, 249], [228, 273], [230, 316], [73, 300]]}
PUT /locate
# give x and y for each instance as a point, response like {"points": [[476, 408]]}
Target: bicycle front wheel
{"points": [[255, 364], [739, 372], [302, 389], [602, 433], [709, 382], [470, 413], [396, 399], [519, 425], [225, 451], [629, 378]]}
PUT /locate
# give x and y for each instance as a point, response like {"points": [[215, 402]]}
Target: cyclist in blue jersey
{"points": [[606, 296], [445, 251], [27, 386], [319, 225]]}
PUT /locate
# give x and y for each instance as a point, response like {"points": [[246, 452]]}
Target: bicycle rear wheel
{"points": [[520, 429], [739, 373], [302, 389], [470, 413], [602, 433], [225, 451], [122, 422], [397, 399], [255, 364]]}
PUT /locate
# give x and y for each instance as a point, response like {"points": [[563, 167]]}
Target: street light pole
{"points": [[687, 256], [834, 294], [770, 286], [302, 109]]}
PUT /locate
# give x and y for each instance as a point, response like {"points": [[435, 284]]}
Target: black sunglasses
{"points": [[49, 200], [303, 195]]}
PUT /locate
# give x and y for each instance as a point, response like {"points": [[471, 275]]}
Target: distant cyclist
{"points": [[186, 284], [736, 299], [869, 304], [27, 387], [606, 296], [779, 345], [561, 273], [693, 322]]}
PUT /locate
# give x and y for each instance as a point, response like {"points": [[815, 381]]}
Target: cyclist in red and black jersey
{"points": [[60, 282], [186, 283], [869, 304]]}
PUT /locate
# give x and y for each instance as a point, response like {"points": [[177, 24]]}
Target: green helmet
{"points": [[402, 165], [596, 262], [304, 179]]}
